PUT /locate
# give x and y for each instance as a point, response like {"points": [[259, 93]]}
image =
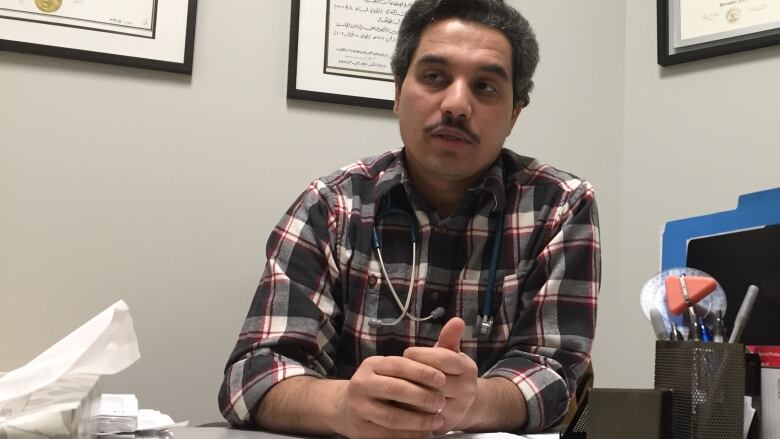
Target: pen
{"points": [[718, 330], [706, 335], [674, 334], [744, 313], [659, 327]]}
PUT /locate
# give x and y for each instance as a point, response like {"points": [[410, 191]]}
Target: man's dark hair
{"points": [[491, 13]]}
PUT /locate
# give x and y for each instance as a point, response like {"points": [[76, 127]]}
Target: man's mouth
{"points": [[452, 135]]}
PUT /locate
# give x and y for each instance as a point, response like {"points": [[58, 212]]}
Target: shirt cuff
{"points": [[248, 380], [544, 390]]}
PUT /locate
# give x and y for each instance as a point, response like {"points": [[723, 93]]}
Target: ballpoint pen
{"points": [[718, 330], [674, 334], [706, 335]]}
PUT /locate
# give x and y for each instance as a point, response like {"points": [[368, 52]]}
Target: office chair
{"points": [[580, 396]]}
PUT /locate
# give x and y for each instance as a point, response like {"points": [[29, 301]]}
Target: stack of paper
{"points": [[117, 414]]}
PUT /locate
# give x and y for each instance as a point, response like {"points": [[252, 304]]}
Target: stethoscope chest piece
{"points": [[482, 327]]}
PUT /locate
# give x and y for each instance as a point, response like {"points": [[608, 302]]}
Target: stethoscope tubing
{"points": [[485, 320], [491, 280], [413, 278]]}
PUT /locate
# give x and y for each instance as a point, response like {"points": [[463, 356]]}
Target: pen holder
{"points": [[708, 387]]}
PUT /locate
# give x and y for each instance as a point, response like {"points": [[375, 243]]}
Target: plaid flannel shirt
{"points": [[322, 282]]}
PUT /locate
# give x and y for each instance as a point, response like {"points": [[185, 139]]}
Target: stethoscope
{"points": [[484, 323]]}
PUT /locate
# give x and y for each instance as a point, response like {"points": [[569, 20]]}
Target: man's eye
{"points": [[433, 77], [485, 87]]}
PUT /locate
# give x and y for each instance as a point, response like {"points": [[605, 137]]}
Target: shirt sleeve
{"points": [[551, 339], [289, 329]]}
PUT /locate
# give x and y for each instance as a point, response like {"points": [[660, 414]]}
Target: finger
{"points": [[409, 370], [396, 418], [451, 334], [442, 359], [409, 395]]}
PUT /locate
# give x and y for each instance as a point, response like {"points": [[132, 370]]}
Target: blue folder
{"points": [[757, 209]]}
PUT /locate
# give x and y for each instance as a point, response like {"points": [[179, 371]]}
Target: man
{"points": [[342, 338]]}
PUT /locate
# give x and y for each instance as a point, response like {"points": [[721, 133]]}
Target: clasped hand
{"points": [[426, 391]]}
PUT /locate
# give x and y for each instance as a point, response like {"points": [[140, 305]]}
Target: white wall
{"points": [[161, 189]]}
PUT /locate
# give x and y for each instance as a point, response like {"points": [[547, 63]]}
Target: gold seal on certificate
{"points": [[732, 16], [48, 5]]}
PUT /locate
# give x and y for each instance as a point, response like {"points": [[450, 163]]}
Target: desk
{"points": [[226, 433]]}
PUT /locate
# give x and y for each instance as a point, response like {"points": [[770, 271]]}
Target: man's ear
{"points": [[515, 114], [397, 95]]}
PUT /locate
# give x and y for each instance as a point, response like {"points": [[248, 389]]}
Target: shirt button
{"points": [[372, 281]]}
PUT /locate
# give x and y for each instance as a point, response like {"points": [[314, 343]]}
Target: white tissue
{"points": [[59, 379]]}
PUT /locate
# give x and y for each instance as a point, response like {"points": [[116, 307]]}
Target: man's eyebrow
{"points": [[433, 59], [495, 69]]}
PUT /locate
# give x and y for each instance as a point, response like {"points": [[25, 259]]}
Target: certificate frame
{"points": [[306, 77], [168, 46], [671, 52]]}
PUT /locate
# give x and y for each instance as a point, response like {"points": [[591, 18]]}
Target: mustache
{"points": [[453, 122]]}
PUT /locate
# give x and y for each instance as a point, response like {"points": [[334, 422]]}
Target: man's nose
{"points": [[457, 100]]}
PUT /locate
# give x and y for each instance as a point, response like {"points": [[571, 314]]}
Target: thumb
{"points": [[451, 334]]}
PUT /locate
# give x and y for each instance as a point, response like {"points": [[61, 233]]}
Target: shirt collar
{"points": [[395, 174], [492, 183]]}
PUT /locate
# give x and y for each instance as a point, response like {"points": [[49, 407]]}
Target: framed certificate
{"points": [[694, 29], [152, 34], [340, 51]]}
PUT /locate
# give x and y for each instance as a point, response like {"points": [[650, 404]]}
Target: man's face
{"points": [[455, 105]]}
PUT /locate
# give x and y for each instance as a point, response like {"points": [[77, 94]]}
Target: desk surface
{"points": [[226, 433]]}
